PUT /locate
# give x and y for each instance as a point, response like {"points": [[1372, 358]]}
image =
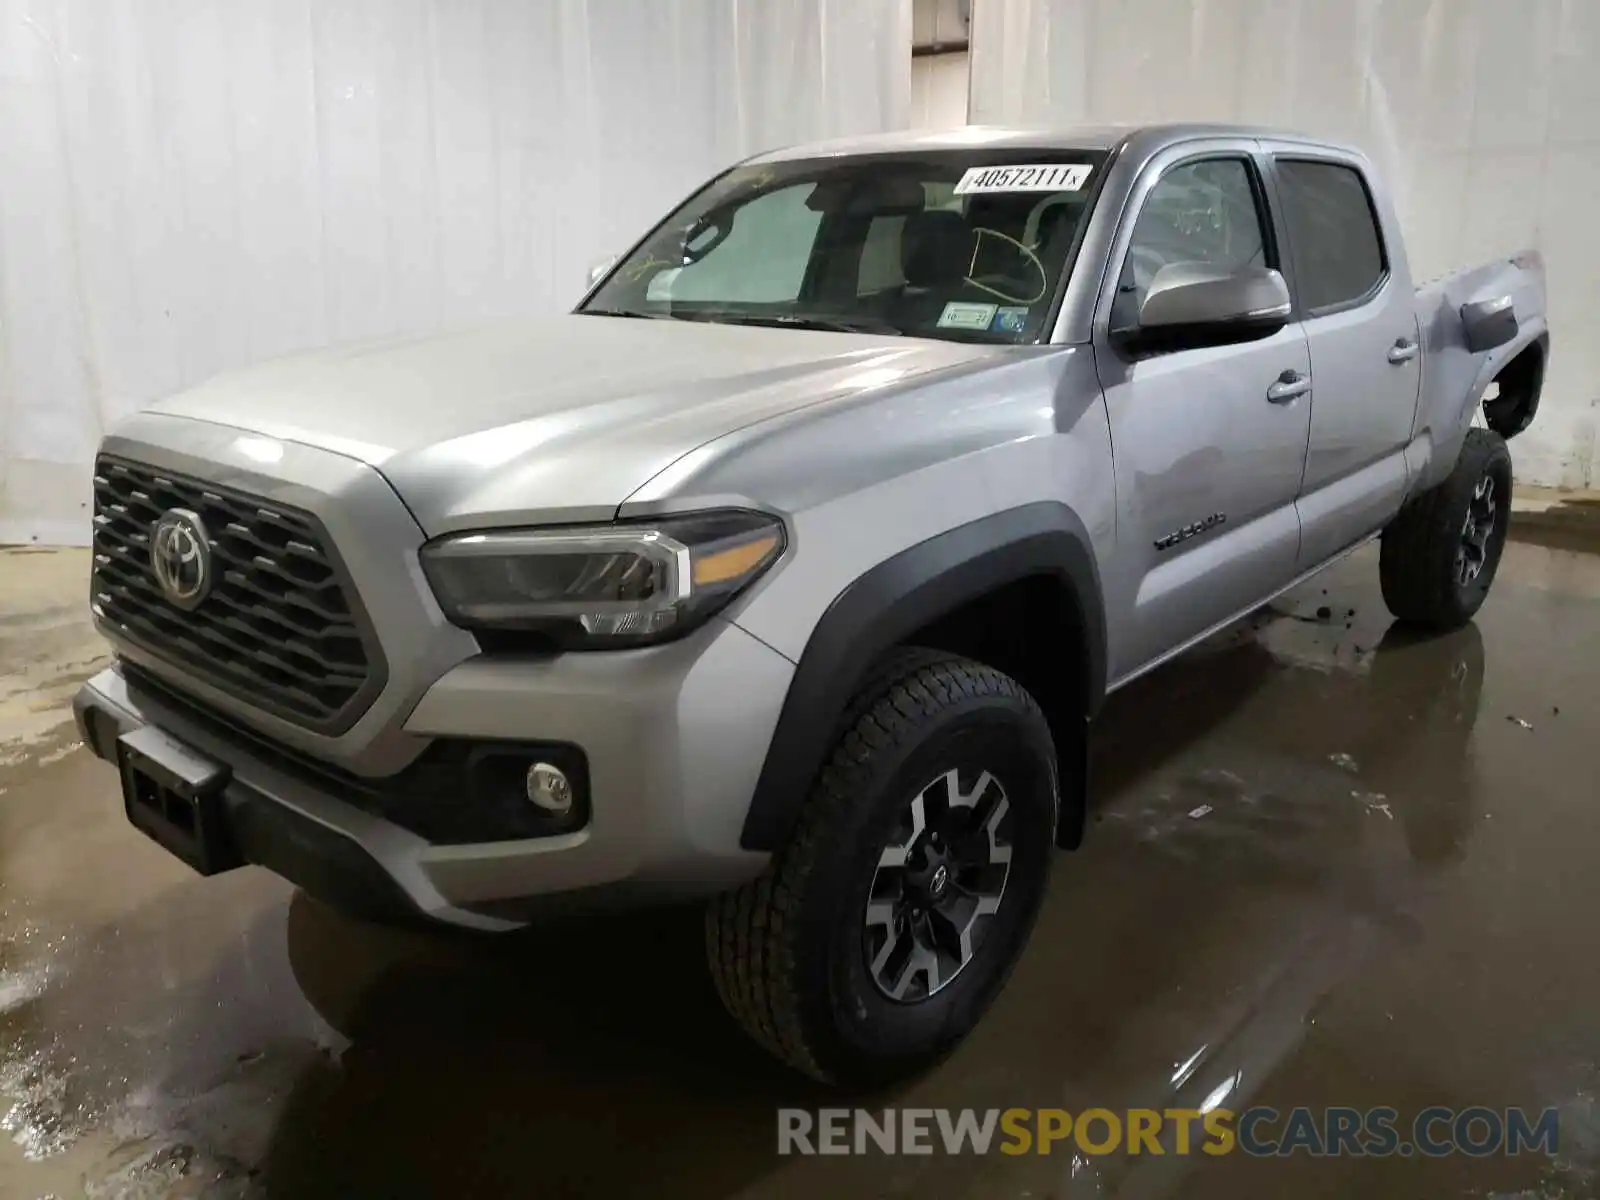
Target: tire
{"points": [[792, 952], [1421, 564]]}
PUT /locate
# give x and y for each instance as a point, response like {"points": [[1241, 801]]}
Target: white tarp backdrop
{"points": [[939, 91], [187, 185], [1485, 114]]}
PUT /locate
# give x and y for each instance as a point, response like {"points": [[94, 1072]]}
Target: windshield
{"points": [[962, 245]]}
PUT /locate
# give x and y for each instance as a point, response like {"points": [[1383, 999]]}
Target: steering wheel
{"points": [[1028, 257]]}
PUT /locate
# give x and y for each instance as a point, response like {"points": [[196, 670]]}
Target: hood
{"points": [[553, 419]]}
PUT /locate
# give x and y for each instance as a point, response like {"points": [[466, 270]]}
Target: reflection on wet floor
{"points": [[1565, 522], [1329, 864]]}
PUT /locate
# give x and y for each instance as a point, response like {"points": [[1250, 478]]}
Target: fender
{"points": [[1495, 364], [892, 601], [1444, 441]]}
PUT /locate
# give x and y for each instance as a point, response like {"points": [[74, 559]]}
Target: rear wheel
{"points": [[879, 935], [1440, 555]]}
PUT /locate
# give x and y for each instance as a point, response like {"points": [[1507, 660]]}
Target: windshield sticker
{"points": [[964, 314], [1025, 177], [1010, 319]]}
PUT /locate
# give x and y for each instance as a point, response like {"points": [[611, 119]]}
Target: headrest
{"points": [[1055, 219], [935, 248]]}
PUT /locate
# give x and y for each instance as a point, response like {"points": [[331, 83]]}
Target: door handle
{"points": [[1291, 385], [1403, 351]]}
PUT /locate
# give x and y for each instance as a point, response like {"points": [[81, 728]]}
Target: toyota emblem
{"points": [[180, 556]]}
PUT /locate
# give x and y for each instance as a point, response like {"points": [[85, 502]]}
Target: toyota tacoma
{"points": [[789, 570]]}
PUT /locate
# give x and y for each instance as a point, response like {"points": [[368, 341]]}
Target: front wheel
{"points": [[881, 932], [1440, 555]]}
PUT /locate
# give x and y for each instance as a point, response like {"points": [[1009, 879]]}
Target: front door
{"points": [[1209, 444]]}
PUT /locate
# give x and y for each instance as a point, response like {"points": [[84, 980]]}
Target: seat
{"points": [[936, 251]]}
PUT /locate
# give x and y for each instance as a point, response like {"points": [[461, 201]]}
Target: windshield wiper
{"points": [[627, 312], [776, 320], [828, 324]]}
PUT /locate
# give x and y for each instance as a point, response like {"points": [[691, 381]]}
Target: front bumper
{"points": [[674, 739]]}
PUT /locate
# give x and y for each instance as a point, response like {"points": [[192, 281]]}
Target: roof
{"points": [[1079, 137]]}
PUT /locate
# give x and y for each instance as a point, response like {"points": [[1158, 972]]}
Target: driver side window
{"points": [[1200, 212]]}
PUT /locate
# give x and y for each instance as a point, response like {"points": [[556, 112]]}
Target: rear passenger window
{"points": [[1338, 252]]}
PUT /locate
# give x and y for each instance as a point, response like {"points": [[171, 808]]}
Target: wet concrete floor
{"points": [[1328, 864]]}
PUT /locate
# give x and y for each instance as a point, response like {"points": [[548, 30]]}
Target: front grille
{"points": [[280, 627]]}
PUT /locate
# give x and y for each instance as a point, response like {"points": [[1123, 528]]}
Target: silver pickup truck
{"points": [[789, 570]]}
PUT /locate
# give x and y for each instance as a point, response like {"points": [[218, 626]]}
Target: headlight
{"points": [[606, 585]]}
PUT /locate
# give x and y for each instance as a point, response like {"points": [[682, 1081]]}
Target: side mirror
{"points": [[1197, 304], [598, 269], [1488, 324]]}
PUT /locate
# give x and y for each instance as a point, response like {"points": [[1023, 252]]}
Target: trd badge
{"points": [[1189, 531]]}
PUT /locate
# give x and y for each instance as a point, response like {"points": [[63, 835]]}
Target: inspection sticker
{"points": [[1010, 319], [964, 314], [1025, 177]]}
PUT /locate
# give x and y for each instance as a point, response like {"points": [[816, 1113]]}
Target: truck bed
{"points": [[1454, 378]]}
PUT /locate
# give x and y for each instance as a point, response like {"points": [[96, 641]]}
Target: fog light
{"points": [[549, 789]]}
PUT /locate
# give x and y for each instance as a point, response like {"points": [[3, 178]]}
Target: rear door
{"points": [[1209, 443], [1360, 319]]}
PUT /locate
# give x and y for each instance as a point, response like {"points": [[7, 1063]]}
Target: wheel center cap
{"points": [[938, 881]]}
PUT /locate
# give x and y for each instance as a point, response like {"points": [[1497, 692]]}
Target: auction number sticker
{"points": [[1025, 177]]}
